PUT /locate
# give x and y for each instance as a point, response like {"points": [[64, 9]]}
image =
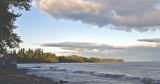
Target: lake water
{"points": [[98, 73]]}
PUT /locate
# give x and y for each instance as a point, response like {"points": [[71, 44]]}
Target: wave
{"points": [[84, 72], [57, 69], [144, 80]]}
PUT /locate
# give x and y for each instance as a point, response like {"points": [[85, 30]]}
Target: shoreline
{"points": [[17, 76]]}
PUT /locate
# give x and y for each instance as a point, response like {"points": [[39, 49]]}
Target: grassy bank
{"points": [[19, 77]]}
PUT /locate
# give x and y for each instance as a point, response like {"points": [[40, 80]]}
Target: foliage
{"points": [[9, 39], [35, 56], [38, 56]]}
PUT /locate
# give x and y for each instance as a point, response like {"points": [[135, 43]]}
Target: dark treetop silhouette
{"points": [[8, 38]]}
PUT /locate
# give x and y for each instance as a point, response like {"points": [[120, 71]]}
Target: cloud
{"points": [[136, 52], [65, 8], [81, 46], [127, 15], [34, 4], [150, 40]]}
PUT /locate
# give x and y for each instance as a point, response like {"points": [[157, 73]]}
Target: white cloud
{"points": [[140, 15], [81, 46], [64, 8], [136, 52], [34, 4]]}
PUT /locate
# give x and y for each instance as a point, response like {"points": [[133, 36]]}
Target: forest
{"points": [[39, 56]]}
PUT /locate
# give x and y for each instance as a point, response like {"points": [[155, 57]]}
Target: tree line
{"points": [[39, 56]]}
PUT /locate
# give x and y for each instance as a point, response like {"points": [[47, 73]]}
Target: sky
{"points": [[99, 28]]}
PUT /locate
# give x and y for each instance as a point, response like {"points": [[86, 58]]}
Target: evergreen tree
{"points": [[38, 56]]}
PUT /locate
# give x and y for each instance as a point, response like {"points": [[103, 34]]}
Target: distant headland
{"points": [[38, 56]]}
